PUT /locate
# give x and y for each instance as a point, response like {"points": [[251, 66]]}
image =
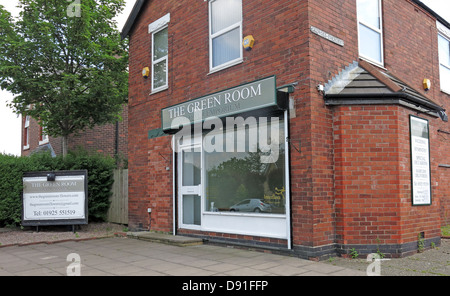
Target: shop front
{"points": [[232, 163]]}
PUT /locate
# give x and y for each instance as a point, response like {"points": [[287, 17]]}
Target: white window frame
{"points": [[377, 30], [219, 33], [27, 132], [443, 32], [44, 137], [154, 28], [241, 223]]}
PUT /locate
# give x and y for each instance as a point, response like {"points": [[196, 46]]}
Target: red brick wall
{"points": [[102, 138], [337, 18], [417, 58], [410, 49], [280, 49], [321, 181], [444, 194], [373, 178]]}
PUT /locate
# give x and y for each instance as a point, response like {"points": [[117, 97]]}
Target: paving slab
{"points": [[122, 256]]}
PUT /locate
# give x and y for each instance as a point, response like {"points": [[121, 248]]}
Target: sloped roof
{"points": [[47, 148], [362, 84]]}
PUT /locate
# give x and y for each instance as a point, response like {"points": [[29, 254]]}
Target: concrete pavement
{"points": [[132, 257]]}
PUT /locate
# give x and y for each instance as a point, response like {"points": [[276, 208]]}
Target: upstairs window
{"points": [[43, 137], [444, 57], [26, 133], [370, 30], [225, 33], [160, 53]]}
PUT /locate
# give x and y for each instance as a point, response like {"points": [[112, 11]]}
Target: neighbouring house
{"points": [[311, 127], [109, 139]]}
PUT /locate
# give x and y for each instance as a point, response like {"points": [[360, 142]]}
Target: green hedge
{"points": [[100, 179]]}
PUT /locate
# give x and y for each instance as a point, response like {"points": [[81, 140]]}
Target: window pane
{"points": [[226, 47], [369, 43], [191, 209], [238, 181], [160, 47], [225, 13], [444, 51], [369, 13], [159, 74], [445, 78], [191, 168]]}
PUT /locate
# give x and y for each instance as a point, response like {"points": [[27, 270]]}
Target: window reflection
{"points": [[238, 181]]}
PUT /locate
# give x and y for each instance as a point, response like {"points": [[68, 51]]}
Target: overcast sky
{"points": [[10, 123]]}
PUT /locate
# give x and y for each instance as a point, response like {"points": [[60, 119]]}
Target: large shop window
{"points": [[248, 174], [225, 33], [370, 30]]}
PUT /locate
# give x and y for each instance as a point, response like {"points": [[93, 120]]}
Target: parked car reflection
{"points": [[251, 205]]}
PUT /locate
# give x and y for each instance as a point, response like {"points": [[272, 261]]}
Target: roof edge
{"points": [[132, 18], [397, 98], [378, 75], [433, 13]]}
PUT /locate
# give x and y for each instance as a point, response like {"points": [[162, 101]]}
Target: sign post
{"points": [[55, 198]]}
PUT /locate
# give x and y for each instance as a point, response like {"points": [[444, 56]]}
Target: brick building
{"points": [[304, 126], [110, 139]]}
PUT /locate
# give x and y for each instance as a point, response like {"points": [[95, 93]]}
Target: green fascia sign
{"points": [[244, 98]]}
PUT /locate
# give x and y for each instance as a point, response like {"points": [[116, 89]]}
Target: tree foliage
{"points": [[68, 70]]}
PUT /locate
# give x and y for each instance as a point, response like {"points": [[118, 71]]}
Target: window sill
{"points": [[447, 92], [372, 62], [43, 142], [26, 147], [155, 91], [246, 214], [226, 66]]}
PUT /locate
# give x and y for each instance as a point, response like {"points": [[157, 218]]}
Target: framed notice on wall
{"points": [[420, 161], [55, 198]]}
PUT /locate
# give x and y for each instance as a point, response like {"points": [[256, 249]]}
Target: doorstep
{"points": [[176, 240]]}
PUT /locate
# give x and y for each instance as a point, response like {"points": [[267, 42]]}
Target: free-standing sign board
{"points": [[420, 161], [55, 198]]}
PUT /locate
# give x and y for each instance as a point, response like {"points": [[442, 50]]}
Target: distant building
{"points": [[110, 139]]}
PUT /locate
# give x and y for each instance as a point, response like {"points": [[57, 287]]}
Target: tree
{"points": [[65, 62]]}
